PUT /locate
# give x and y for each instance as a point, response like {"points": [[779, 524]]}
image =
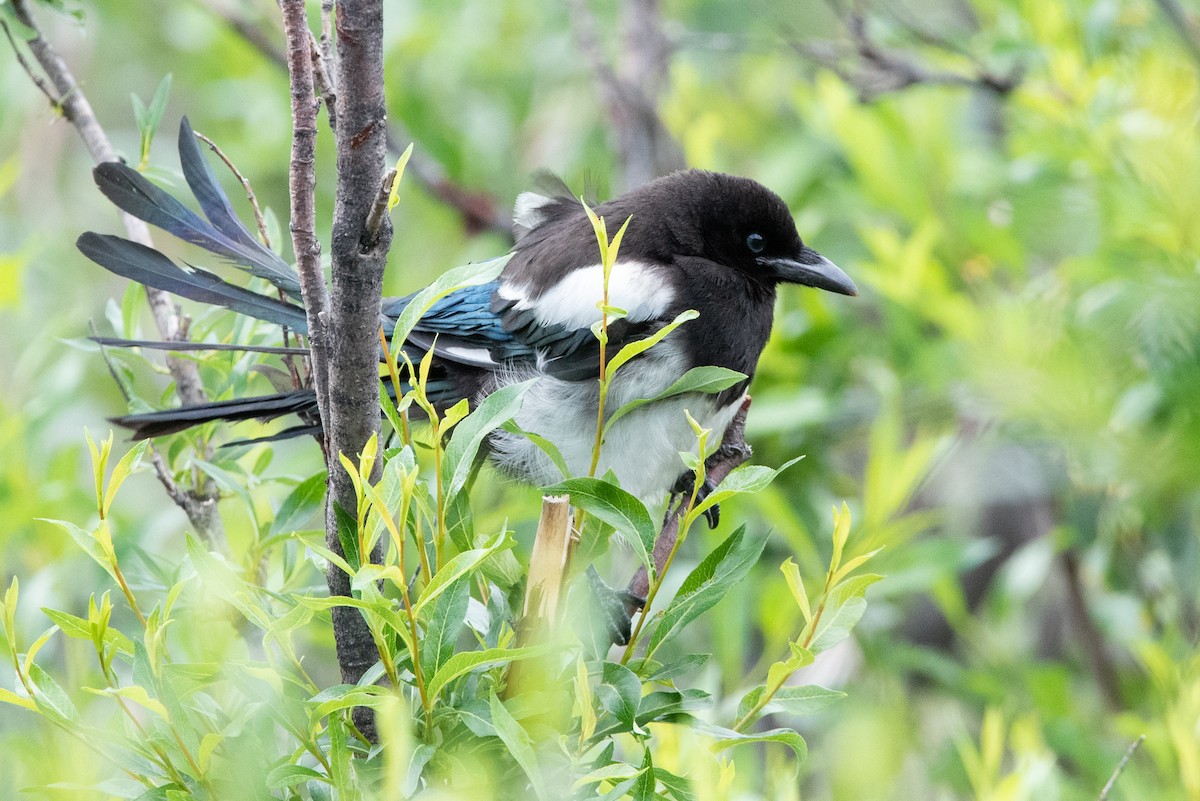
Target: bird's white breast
{"points": [[643, 446]]}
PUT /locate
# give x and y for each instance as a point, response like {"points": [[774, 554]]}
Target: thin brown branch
{"points": [[1116, 774], [1185, 26], [70, 101], [874, 69], [323, 81], [41, 83], [377, 216], [479, 212], [245, 182], [1103, 670], [733, 452], [302, 182]]}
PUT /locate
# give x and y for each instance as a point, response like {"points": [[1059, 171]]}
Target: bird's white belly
{"points": [[642, 448]]}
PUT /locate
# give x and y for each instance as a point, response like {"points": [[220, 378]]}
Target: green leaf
{"points": [[303, 501], [492, 412], [727, 738], [747, 478], [620, 692], [458, 567], [617, 508], [50, 698], [446, 620], [139, 696], [798, 701], [79, 629], [642, 345], [843, 609], [643, 788], [127, 465], [85, 541], [705, 586], [519, 745], [466, 661], [289, 775], [549, 448], [705, 380], [447, 282]]}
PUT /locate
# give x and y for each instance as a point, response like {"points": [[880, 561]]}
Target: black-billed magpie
{"points": [[715, 243]]}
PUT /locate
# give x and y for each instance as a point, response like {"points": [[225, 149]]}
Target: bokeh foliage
{"points": [[1010, 407]]}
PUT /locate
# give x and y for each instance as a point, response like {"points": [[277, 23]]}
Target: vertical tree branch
{"points": [[302, 182], [200, 502], [359, 258]]}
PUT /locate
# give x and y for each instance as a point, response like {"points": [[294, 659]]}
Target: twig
{"points": [[876, 70], [322, 80], [1090, 635], [302, 182], [265, 237], [1116, 774], [378, 215], [479, 211], [258, 215], [37, 80], [734, 452], [70, 101], [1183, 25]]}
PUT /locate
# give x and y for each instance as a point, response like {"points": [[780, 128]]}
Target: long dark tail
{"points": [[265, 407], [223, 234]]}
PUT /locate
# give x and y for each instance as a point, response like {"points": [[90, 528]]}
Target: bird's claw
{"points": [[616, 607], [684, 486]]}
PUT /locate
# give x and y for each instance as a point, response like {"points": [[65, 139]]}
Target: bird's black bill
{"points": [[811, 269]]}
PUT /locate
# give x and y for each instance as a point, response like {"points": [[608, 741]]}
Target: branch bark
{"points": [[199, 503], [359, 259]]}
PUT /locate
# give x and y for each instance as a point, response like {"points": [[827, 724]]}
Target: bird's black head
{"points": [[740, 224]]}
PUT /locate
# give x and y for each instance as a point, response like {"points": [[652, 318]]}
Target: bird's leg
{"points": [[683, 487], [616, 607]]}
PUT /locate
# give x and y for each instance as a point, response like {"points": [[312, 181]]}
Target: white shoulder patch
{"points": [[634, 286], [527, 212]]}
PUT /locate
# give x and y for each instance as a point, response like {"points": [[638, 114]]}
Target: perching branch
{"points": [[199, 503], [733, 452]]}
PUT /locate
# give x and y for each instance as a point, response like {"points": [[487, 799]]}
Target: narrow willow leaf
{"points": [[467, 661], [705, 380], [459, 566], [492, 412], [301, 504], [642, 345], [617, 508], [519, 744], [745, 479], [443, 285], [709, 582], [791, 574], [124, 468]]}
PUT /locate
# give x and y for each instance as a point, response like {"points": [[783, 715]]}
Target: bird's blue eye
{"points": [[756, 243]]}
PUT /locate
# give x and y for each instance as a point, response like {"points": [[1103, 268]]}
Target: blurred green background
{"points": [[1012, 406]]}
